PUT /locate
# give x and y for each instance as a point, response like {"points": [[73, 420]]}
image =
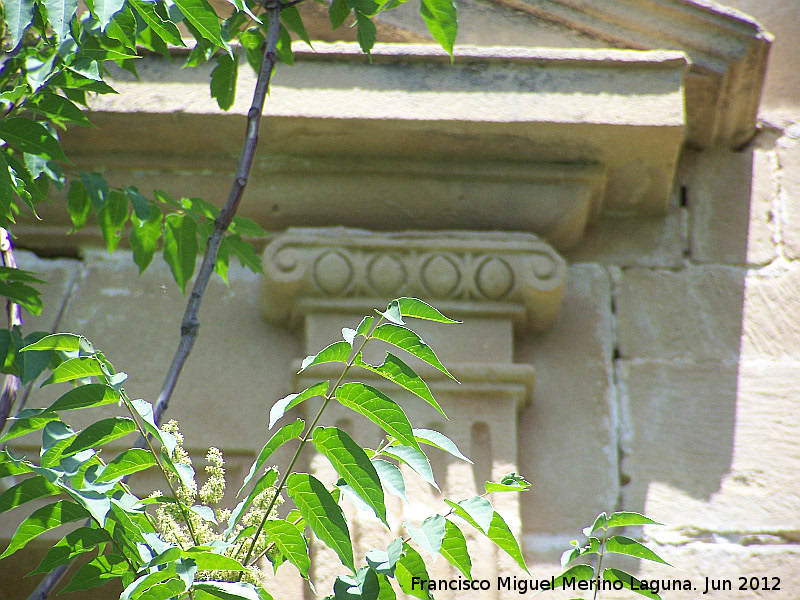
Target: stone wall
{"points": [[669, 384]]}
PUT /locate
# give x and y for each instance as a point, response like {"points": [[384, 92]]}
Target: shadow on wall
{"points": [[635, 401]]}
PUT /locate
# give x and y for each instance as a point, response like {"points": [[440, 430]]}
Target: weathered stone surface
{"points": [[59, 275], [568, 435], [789, 178], [229, 382], [501, 276], [694, 313], [731, 197], [633, 241], [710, 447]]}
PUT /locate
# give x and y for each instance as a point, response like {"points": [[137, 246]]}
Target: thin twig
{"points": [[11, 383], [190, 323]]}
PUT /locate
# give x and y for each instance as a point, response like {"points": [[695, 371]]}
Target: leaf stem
{"points": [[328, 397], [600, 561], [147, 441]]}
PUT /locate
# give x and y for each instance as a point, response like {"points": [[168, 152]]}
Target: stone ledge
{"points": [[514, 276]]}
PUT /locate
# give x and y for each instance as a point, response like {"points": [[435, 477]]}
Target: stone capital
{"points": [[495, 275]]}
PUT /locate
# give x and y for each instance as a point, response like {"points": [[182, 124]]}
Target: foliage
{"points": [[169, 545], [179, 543], [598, 545]]}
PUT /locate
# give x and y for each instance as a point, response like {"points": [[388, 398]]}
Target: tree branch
{"points": [[190, 323]]}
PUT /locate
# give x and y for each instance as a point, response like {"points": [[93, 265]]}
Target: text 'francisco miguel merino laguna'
{"points": [[523, 586]]}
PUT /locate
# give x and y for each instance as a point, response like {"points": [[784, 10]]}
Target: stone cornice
{"points": [[728, 51], [538, 140], [512, 276]]}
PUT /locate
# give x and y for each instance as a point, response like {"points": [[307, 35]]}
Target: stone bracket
{"points": [[493, 275]]}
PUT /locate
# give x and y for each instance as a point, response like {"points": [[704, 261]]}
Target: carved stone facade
{"points": [[617, 229]]}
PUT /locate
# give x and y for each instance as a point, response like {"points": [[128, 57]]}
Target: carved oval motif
{"points": [[440, 276], [386, 274], [494, 278], [333, 273], [286, 260], [544, 267]]}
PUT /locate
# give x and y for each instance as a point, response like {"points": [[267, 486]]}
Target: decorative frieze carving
{"points": [[515, 276]]}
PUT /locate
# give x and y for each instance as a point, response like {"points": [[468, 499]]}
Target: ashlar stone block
{"points": [[710, 447]]}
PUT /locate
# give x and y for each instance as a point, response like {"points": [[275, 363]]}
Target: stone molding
{"points": [[499, 275], [728, 50]]}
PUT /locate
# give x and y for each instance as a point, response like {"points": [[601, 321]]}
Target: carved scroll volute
{"points": [[515, 276]]}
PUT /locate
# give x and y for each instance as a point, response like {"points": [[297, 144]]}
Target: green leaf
{"points": [[97, 572], [284, 47], [30, 136], [407, 340], [336, 352], [364, 586], [162, 27], [130, 461], [366, 32], [281, 406], [441, 18], [454, 549], [55, 437], [395, 370], [98, 190], [145, 410], [123, 28], [18, 15], [322, 514], [620, 544], [100, 433], [25, 491], [211, 561], [387, 591], [105, 10], [60, 13], [200, 14], [629, 582], [384, 562], [284, 434], [409, 566], [28, 421], [429, 535], [244, 225], [412, 307], [290, 17], [476, 511], [75, 368], [180, 247], [415, 459], [226, 590], [67, 342], [44, 519], [78, 204], [96, 503], [170, 587], [378, 408], [353, 465], [223, 80], [439, 440], [26, 296], [501, 535], [246, 254], [338, 12], [57, 108], [262, 483], [144, 238], [86, 396], [112, 219], [601, 522], [291, 542], [578, 572], [75, 543], [626, 519], [391, 478]]}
